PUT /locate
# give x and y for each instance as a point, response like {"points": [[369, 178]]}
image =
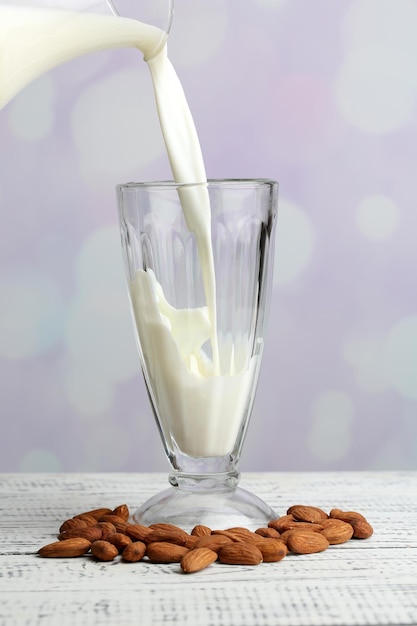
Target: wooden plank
{"points": [[372, 582]]}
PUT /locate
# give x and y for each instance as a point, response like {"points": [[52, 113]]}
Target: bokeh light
{"points": [[376, 89], [200, 29], [110, 143], [377, 217], [31, 313], [40, 460], [32, 113], [330, 436], [365, 357], [271, 4], [295, 243], [99, 334], [400, 357]]}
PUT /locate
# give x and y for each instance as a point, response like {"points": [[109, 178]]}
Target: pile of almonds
{"points": [[106, 533]]}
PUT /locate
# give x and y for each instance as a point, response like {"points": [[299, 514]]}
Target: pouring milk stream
{"points": [[34, 40]]}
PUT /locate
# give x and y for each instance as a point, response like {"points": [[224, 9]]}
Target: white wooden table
{"points": [[371, 582]]}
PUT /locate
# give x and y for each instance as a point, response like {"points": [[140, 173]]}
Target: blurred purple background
{"points": [[318, 94]]}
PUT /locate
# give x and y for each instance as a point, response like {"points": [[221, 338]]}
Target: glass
{"points": [[38, 35], [201, 382], [158, 13]]}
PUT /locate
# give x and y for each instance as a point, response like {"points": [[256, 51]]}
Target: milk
{"points": [[187, 166], [200, 409], [34, 40]]}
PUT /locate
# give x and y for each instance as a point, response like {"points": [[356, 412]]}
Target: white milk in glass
{"points": [[33, 41]]}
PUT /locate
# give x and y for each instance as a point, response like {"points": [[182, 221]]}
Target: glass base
{"points": [[218, 504]]}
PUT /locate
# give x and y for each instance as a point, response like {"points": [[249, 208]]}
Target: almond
{"points": [[244, 534], [96, 513], [310, 526], [72, 523], [107, 529], [88, 519], [272, 550], [336, 531], [119, 540], [67, 548], [241, 530], [119, 523], [170, 535], [198, 559], [225, 533], [201, 531], [240, 554], [92, 533], [362, 529], [346, 516], [168, 527], [268, 532], [137, 532], [134, 552], [122, 511], [284, 536], [306, 542], [281, 523], [213, 542], [287, 522], [303, 513], [104, 551], [190, 541], [165, 552]]}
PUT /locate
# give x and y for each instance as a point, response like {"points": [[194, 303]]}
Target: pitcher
{"points": [[37, 35]]}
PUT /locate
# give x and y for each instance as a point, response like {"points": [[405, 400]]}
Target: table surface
{"points": [[361, 582]]}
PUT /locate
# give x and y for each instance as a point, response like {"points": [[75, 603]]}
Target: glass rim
{"points": [[211, 182], [113, 5]]}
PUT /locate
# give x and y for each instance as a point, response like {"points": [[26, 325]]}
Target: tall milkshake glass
{"points": [[200, 298]]}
